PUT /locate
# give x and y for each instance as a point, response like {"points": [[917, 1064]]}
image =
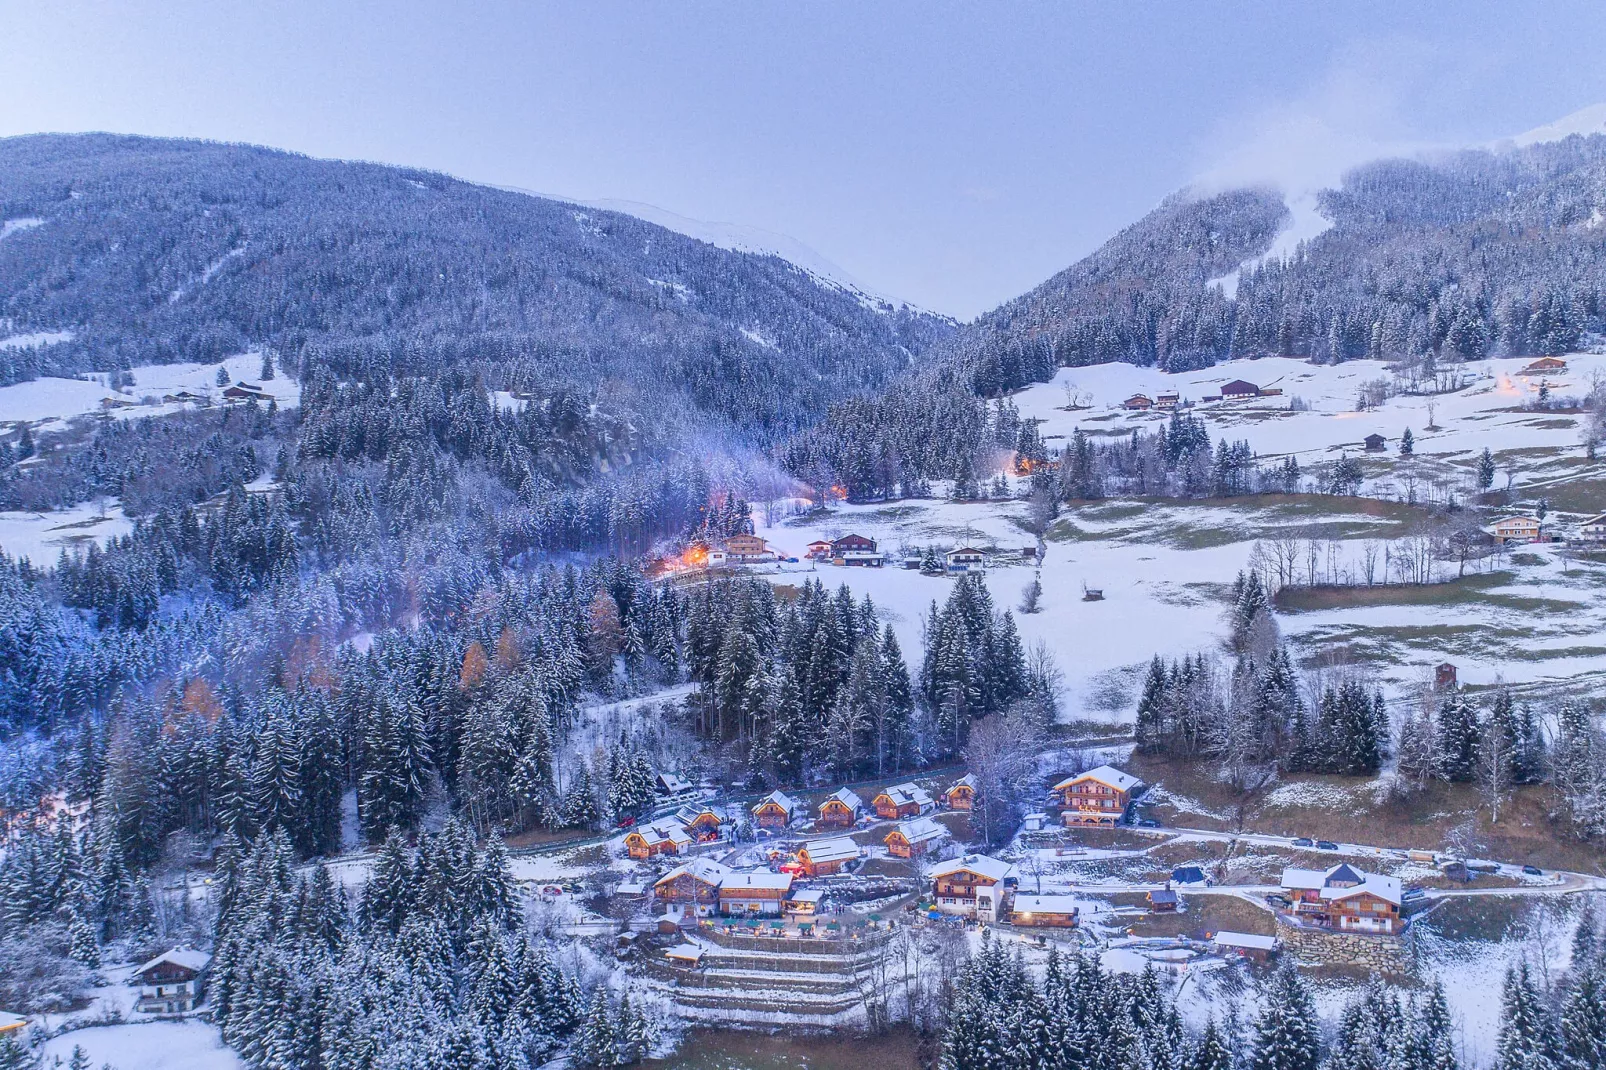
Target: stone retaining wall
{"points": [[1385, 954]]}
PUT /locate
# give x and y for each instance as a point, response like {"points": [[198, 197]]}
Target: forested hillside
{"points": [[150, 251]]}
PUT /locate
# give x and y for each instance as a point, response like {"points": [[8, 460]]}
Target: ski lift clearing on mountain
{"points": [[1092, 594]]}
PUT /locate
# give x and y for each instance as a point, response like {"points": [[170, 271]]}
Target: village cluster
{"points": [[858, 551]]}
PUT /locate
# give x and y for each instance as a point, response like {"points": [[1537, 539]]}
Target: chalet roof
{"points": [[692, 811], [703, 869], [835, 849], [966, 781], [1162, 895], [779, 798], [1375, 437], [1246, 940], [902, 794], [982, 865], [956, 551], [1516, 520], [920, 830], [664, 832], [1104, 774], [1317, 880], [846, 797], [1601, 519], [853, 537], [188, 958], [806, 895], [1045, 904], [1138, 397], [758, 880], [673, 784], [685, 953], [1239, 386]]}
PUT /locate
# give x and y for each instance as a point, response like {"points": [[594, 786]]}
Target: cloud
{"points": [[1355, 112]]}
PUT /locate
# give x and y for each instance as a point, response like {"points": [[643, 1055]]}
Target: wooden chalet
{"points": [[911, 839], [658, 838], [855, 550], [1238, 389], [1344, 899], [1099, 796], [818, 550], [1044, 911], [757, 892], [702, 823], [962, 795], [1138, 402], [840, 810], [820, 858], [975, 886], [1167, 402], [172, 982], [1544, 366], [695, 884], [247, 392], [745, 550], [775, 810], [1163, 901], [1515, 529], [901, 801], [671, 785]]}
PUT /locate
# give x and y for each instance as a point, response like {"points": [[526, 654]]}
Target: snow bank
{"points": [[188, 1044]]}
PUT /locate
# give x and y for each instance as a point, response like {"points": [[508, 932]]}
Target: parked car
{"points": [[1279, 900], [1304, 841], [1411, 895], [1533, 871], [1148, 823], [626, 821], [1326, 845]]}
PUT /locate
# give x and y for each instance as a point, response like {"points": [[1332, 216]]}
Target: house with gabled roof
{"points": [[1344, 899], [1593, 529], [841, 809], [755, 892], [820, 858], [775, 810], [702, 822], [911, 839], [1099, 796], [965, 559], [975, 885], [695, 883], [961, 795], [1138, 402], [671, 785], [1515, 529], [902, 800], [1544, 366], [1239, 389], [1044, 911], [172, 982], [658, 838]]}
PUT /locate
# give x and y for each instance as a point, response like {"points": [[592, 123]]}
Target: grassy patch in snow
{"points": [[1450, 592]]}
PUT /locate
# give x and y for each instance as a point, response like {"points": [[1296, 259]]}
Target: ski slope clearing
{"points": [[48, 402], [1487, 412]]}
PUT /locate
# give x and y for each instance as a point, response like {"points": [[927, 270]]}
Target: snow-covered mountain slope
{"points": [[1585, 122]]}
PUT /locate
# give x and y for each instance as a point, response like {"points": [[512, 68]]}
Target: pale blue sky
{"points": [[951, 154]]}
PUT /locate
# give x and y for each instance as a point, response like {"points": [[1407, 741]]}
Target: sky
{"points": [[949, 154]]}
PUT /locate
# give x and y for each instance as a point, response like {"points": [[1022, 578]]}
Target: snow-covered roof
{"points": [[188, 958], [685, 953], [691, 812], [1162, 895], [630, 888], [673, 783], [966, 781], [982, 865], [968, 550], [664, 832], [9, 1021], [907, 793], [704, 869], [760, 880], [1247, 940], [1045, 904], [846, 797], [920, 830], [1594, 520], [779, 798], [1385, 888], [836, 849], [1104, 774], [806, 895]]}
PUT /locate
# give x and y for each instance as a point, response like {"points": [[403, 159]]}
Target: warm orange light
{"points": [[696, 557]]}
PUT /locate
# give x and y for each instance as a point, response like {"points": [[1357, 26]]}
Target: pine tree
{"points": [[1457, 740], [1485, 469], [1407, 443], [1527, 1034], [1287, 1033]]}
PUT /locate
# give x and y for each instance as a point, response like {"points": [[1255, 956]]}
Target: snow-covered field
{"points": [[41, 537], [47, 402], [188, 1044]]}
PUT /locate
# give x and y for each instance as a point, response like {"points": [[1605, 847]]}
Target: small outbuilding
{"points": [[1376, 443], [1163, 901], [1250, 946]]}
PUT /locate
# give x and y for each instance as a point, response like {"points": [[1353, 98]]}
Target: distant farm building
{"points": [[172, 982], [841, 809], [1138, 402], [247, 392], [855, 550], [1444, 677], [1163, 901], [1545, 366], [669, 785], [962, 795], [1593, 529], [1099, 796], [819, 550], [741, 550], [966, 559], [1167, 402], [1251, 946], [1238, 389], [1376, 443]]}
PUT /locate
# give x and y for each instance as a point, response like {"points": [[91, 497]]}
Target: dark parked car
{"points": [[1304, 841], [1326, 845], [1148, 823], [1533, 871]]}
